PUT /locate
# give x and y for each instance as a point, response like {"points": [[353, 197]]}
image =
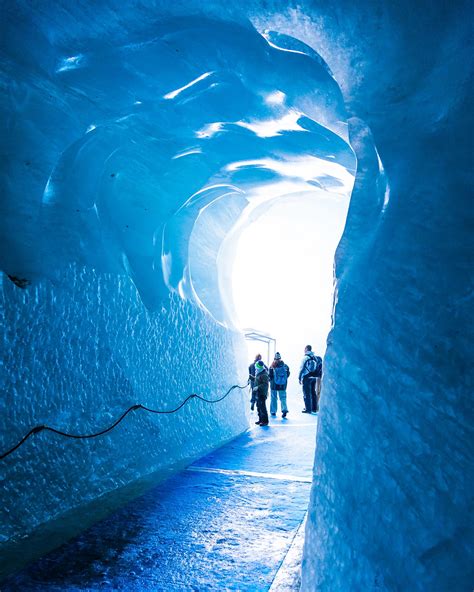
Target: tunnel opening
{"points": [[108, 113], [283, 272], [148, 208]]}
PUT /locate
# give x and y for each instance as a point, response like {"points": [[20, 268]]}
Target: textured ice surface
{"points": [[392, 499], [208, 528], [119, 141], [132, 144], [394, 461], [77, 355]]}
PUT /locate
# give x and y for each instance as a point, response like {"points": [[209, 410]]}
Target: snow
{"points": [[133, 144]]}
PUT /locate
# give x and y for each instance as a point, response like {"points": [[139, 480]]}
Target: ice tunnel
{"points": [[135, 140]]}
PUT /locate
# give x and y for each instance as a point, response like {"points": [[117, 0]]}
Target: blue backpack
{"points": [[279, 375]]}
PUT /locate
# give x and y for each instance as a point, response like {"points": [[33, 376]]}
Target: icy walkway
{"points": [[230, 521]]}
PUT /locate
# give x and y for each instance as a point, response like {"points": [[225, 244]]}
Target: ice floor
{"points": [[230, 521]]}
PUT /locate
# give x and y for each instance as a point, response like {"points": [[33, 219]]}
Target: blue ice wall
{"points": [[392, 500], [392, 495], [133, 141], [75, 356]]}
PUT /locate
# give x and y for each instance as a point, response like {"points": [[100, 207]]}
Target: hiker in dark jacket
{"points": [[253, 395], [310, 366], [279, 374], [261, 389]]}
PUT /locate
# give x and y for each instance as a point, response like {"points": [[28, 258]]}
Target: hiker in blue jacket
{"points": [[279, 374]]}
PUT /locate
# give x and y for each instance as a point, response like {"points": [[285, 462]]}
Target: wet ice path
{"points": [[230, 521]]}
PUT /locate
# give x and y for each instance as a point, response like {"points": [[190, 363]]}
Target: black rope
{"points": [[46, 428]]}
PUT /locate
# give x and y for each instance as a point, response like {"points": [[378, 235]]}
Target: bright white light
{"points": [[71, 63], [268, 128], [175, 93], [48, 193], [283, 274], [307, 168], [383, 177], [196, 150], [275, 98], [283, 48], [210, 129]]}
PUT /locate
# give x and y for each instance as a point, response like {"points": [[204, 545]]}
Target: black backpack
{"points": [[317, 367]]}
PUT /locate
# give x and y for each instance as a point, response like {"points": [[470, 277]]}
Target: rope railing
{"points": [[45, 428]]}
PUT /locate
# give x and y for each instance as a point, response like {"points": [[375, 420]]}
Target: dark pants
{"points": [[309, 388], [262, 409]]}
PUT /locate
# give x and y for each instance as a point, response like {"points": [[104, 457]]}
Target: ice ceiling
{"points": [[146, 153], [130, 146]]}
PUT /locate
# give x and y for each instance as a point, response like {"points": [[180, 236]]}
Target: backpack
{"points": [[315, 367], [279, 375]]}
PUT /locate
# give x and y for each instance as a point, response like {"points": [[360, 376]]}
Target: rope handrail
{"points": [[45, 428]]}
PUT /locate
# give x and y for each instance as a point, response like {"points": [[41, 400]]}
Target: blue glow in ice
{"points": [[129, 165], [112, 239]]}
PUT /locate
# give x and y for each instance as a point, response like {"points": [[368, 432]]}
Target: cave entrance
{"points": [[282, 275]]}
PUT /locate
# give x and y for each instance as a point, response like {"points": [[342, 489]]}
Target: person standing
{"points": [[307, 378], [261, 390], [279, 374], [253, 395]]}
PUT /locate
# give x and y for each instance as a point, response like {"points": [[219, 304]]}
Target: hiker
{"points": [[309, 371], [261, 391], [253, 396], [279, 374]]}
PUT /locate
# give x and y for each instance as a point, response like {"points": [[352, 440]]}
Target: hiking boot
{"points": [[273, 414], [305, 411], [263, 424], [257, 423], [284, 414]]}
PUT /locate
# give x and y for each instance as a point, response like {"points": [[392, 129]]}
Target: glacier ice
{"points": [[146, 134], [132, 142], [393, 470], [131, 153]]}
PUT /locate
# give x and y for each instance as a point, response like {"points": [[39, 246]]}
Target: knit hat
{"points": [[278, 356], [259, 366]]}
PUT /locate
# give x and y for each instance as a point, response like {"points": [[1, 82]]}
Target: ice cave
{"points": [[139, 141]]}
